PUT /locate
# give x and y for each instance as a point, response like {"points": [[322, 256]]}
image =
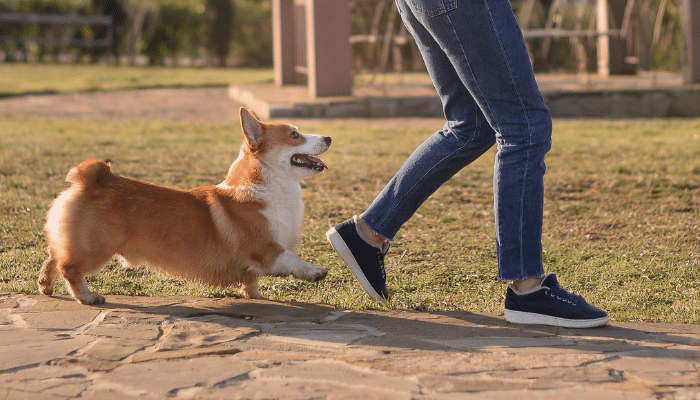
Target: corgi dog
{"points": [[232, 233]]}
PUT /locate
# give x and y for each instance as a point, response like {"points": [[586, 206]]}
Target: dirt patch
{"points": [[200, 104]]}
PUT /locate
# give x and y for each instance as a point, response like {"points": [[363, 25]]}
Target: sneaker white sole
{"points": [[344, 252], [519, 317]]}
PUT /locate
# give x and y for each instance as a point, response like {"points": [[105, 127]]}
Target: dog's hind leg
{"points": [[47, 275], [78, 288], [288, 263], [251, 291], [249, 286], [74, 270]]}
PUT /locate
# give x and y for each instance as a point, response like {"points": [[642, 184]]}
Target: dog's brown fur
{"points": [[219, 235]]}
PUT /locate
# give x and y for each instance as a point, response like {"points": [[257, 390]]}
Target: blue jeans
{"points": [[476, 56]]}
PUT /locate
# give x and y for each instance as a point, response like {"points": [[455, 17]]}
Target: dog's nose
{"points": [[327, 139]]}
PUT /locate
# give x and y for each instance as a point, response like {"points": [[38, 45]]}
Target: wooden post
{"points": [[617, 50], [690, 13], [325, 41], [603, 42]]}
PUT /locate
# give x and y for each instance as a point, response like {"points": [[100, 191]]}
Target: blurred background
{"points": [[237, 33]]}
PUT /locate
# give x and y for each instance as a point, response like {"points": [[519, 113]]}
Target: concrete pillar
{"points": [[283, 46], [690, 14], [329, 53], [325, 45]]}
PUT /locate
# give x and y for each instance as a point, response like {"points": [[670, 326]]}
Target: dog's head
{"points": [[283, 147]]}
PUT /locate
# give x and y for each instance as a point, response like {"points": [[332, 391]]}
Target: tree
{"points": [[219, 14]]}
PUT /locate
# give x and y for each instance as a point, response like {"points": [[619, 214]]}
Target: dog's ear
{"points": [[252, 127]]}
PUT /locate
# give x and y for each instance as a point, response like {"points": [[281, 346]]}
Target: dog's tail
{"points": [[89, 174]]}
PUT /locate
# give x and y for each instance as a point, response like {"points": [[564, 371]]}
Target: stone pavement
{"points": [[229, 348]]}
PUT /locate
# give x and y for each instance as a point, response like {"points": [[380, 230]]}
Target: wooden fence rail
{"points": [[67, 23]]}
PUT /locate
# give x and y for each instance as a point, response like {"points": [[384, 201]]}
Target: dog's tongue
{"points": [[306, 161]]}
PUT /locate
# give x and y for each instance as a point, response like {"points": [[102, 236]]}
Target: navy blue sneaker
{"points": [[549, 304], [365, 261]]}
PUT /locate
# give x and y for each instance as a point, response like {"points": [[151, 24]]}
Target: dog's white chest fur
{"points": [[284, 210]]}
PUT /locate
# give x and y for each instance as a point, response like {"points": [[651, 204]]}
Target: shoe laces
{"points": [[380, 257], [558, 293]]}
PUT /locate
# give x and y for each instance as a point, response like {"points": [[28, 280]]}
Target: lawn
{"points": [[19, 79], [622, 223]]}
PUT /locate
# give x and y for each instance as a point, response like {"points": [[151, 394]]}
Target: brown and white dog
{"points": [[245, 227]]}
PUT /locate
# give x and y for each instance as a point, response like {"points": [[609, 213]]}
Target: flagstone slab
{"points": [[452, 363], [34, 347], [493, 343], [576, 393], [260, 310], [10, 300], [129, 325], [390, 342], [340, 373], [110, 394], [338, 333], [207, 330], [281, 344], [44, 380], [87, 364], [627, 363], [174, 375], [594, 373], [442, 325], [261, 389], [58, 320], [115, 349], [471, 384], [182, 353]]}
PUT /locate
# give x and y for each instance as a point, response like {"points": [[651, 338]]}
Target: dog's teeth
{"points": [[306, 161]]}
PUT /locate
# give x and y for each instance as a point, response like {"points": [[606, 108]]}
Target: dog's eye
{"points": [[294, 135]]}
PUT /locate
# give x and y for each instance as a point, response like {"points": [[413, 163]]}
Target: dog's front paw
{"points": [[289, 263], [252, 292], [45, 289], [90, 298], [316, 274], [313, 274]]}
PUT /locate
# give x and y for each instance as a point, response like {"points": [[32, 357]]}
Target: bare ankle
{"points": [[526, 284], [367, 234]]}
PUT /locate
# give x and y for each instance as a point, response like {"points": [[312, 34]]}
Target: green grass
{"points": [[20, 78], [622, 223]]}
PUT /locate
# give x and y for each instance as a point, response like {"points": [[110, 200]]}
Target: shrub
{"points": [[160, 29]]}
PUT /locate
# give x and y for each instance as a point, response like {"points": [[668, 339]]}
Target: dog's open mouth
{"points": [[306, 161]]}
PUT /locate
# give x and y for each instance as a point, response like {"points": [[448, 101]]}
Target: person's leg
{"points": [[484, 45], [362, 242], [474, 50], [465, 137]]}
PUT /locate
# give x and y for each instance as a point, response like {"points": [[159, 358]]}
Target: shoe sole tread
{"points": [[521, 317]]}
